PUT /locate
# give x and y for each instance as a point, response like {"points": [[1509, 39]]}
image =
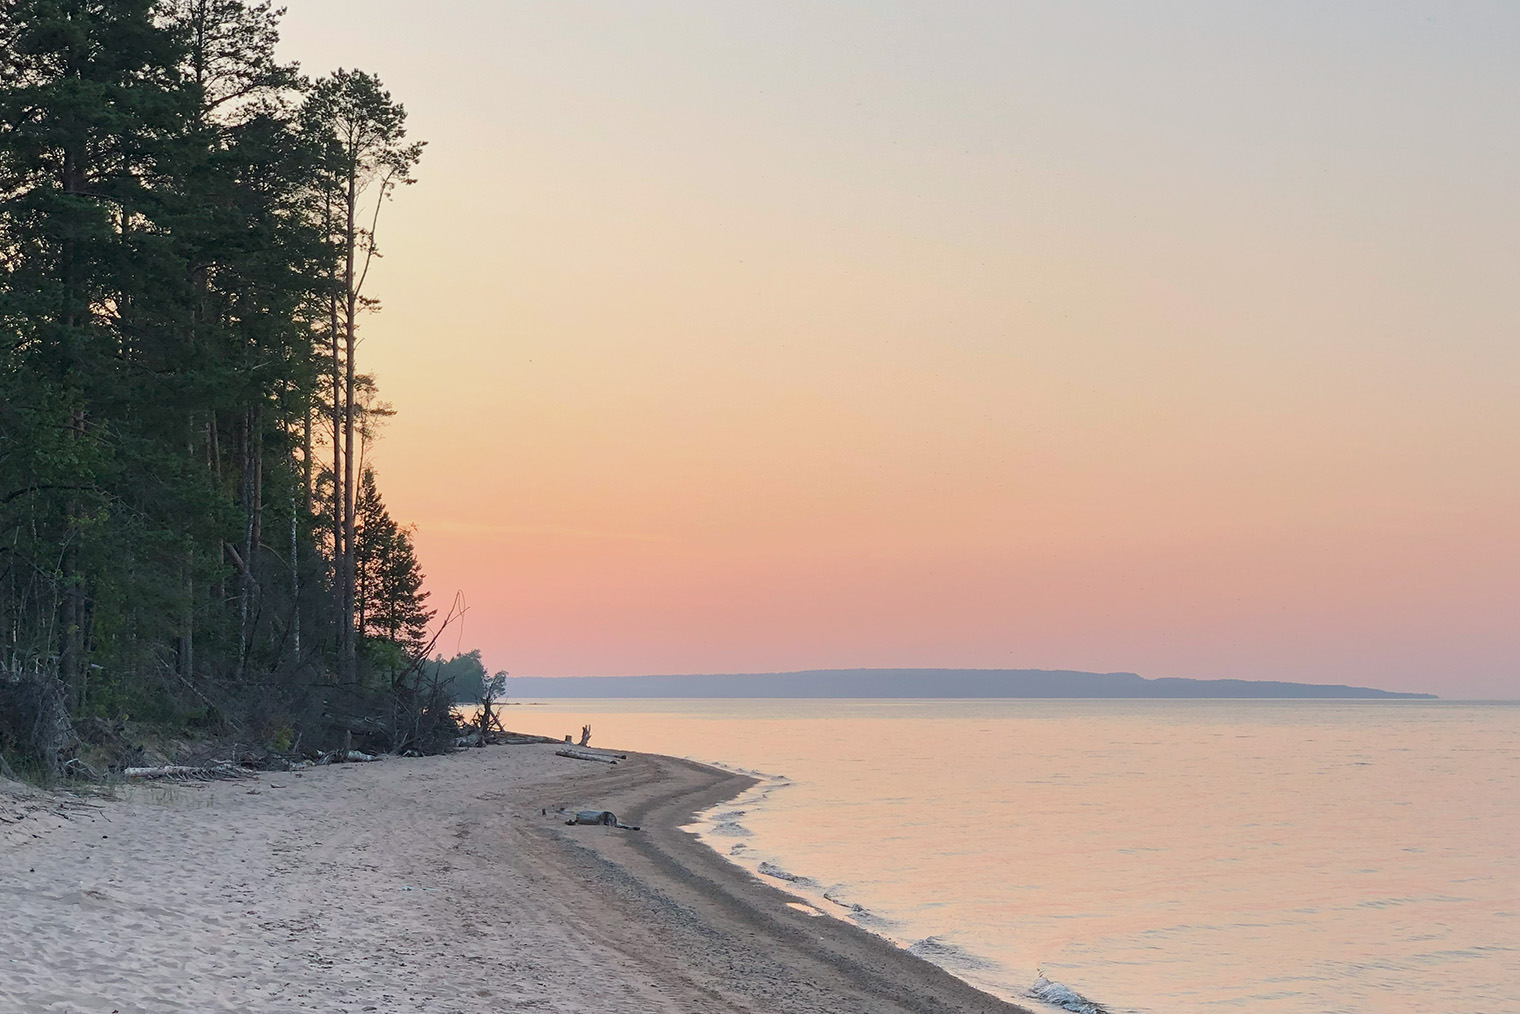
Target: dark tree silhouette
{"points": [[185, 228]]}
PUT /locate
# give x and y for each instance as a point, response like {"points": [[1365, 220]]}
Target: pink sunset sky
{"points": [[1176, 338]]}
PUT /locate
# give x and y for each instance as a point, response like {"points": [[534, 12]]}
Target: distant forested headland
{"points": [[928, 684], [190, 531]]}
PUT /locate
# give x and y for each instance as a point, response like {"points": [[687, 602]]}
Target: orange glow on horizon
{"points": [[996, 339]]}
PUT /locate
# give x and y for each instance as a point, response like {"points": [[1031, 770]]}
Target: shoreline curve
{"points": [[805, 963], [439, 885]]}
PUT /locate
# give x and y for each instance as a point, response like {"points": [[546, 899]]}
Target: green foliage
{"points": [[168, 350], [463, 676], [389, 599]]}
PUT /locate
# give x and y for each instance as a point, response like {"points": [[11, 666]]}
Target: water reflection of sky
{"points": [[1157, 855]]}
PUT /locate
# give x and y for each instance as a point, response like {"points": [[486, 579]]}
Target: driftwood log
{"points": [[186, 772], [602, 818], [472, 738], [587, 755]]}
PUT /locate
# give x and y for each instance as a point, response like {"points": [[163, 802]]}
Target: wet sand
{"points": [[424, 885]]}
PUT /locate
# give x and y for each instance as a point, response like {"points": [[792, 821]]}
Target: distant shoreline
{"points": [[937, 684]]}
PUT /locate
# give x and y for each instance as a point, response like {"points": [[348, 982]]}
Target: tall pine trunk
{"points": [[70, 660], [350, 331], [295, 580], [337, 453], [298, 497], [186, 649], [245, 570]]}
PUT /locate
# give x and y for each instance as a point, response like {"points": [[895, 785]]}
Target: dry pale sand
{"points": [[424, 885]]}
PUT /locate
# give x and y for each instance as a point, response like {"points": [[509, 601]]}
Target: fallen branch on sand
{"points": [[502, 739], [588, 756], [186, 772]]}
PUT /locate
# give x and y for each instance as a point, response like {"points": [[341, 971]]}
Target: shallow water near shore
{"points": [[1281, 857]]}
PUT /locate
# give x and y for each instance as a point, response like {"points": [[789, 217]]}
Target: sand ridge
{"points": [[425, 885]]}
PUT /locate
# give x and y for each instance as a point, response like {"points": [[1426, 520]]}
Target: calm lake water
{"points": [[1150, 856]]}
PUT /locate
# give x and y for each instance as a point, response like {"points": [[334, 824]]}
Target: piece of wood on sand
{"points": [[186, 771], [587, 755]]}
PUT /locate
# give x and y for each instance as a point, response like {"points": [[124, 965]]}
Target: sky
{"points": [[1173, 338]]}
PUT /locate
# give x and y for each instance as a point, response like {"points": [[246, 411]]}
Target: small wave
{"points": [[740, 771], [727, 815], [849, 906], [859, 914], [738, 847], [772, 870], [1065, 997], [730, 829], [950, 956]]}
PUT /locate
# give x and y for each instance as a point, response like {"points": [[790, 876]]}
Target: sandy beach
{"points": [[446, 884]]}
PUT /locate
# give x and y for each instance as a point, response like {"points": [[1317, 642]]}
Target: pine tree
{"points": [[391, 604], [361, 131], [182, 254], [91, 109]]}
